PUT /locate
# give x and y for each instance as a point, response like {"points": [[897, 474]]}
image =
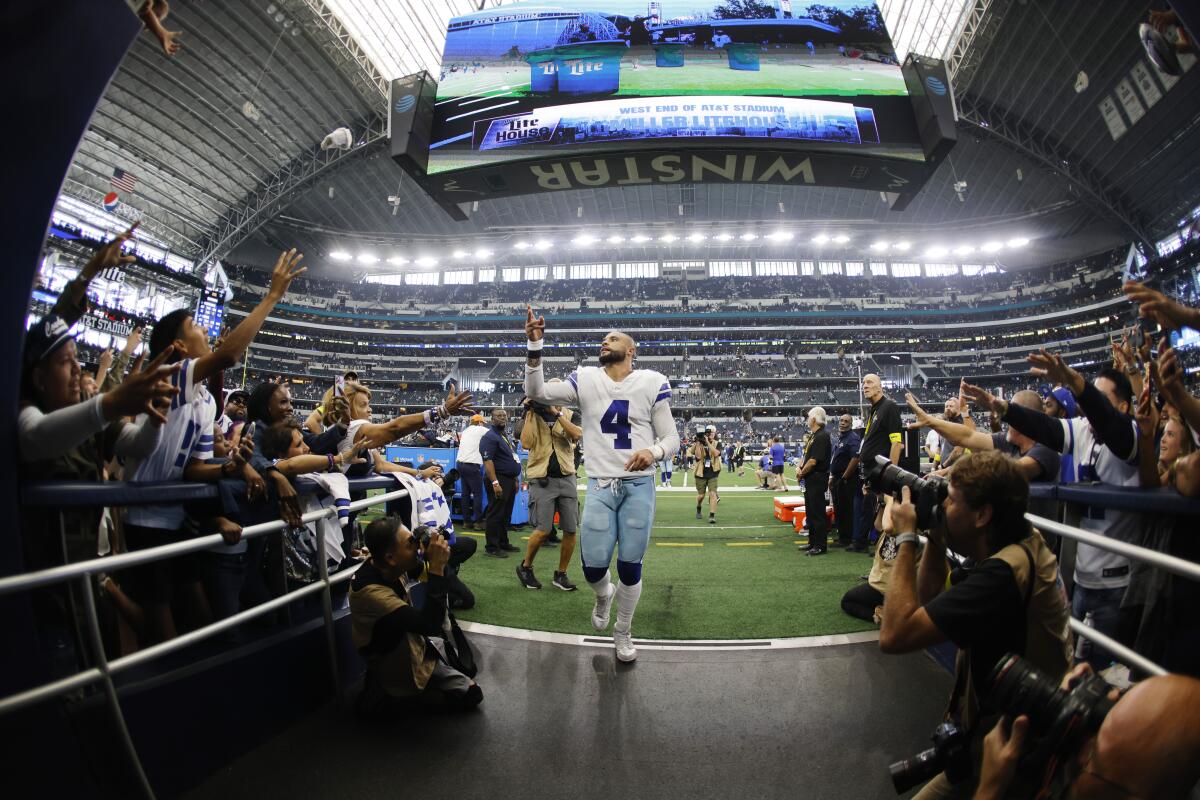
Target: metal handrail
{"points": [[32, 580], [1179, 566], [1123, 653], [105, 669]]}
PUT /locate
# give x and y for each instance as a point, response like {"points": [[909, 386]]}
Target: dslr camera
{"points": [[1060, 722], [424, 533], [927, 492], [541, 409]]}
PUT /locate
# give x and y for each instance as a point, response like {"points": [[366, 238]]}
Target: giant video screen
{"points": [[535, 80]]}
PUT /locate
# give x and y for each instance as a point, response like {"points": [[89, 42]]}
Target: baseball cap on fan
{"points": [[46, 336]]}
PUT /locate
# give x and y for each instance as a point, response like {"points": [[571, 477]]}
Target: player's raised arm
{"points": [[535, 382]]}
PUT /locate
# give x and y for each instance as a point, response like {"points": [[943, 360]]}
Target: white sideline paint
{"points": [[583, 640]]}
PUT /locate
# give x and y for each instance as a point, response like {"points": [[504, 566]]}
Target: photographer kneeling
{"points": [[406, 669], [1006, 598]]}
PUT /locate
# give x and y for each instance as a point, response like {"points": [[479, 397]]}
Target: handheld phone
{"points": [[249, 431]]}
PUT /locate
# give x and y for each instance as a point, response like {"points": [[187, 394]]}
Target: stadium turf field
{"points": [[741, 578]]}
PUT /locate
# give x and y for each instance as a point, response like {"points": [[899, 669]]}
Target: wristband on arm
{"points": [[534, 349]]}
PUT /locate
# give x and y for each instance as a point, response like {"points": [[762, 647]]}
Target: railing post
{"points": [[1072, 515], [81, 659], [327, 606], [110, 690]]}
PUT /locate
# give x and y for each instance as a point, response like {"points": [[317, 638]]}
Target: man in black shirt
{"points": [[1007, 598], [503, 472], [814, 474], [1037, 462], [844, 491], [883, 437]]}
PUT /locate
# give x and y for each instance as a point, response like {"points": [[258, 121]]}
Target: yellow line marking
{"points": [[749, 544], [678, 544], [466, 533]]}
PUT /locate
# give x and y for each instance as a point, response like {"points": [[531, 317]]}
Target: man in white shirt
{"points": [[627, 427], [470, 473]]}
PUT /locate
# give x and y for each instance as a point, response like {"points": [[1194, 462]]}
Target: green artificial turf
{"points": [[746, 580]]}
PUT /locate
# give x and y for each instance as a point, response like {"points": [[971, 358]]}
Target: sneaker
{"points": [[563, 582], [494, 552], [509, 547], [816, 551], [626, 652], [603, 609], [526, 577], [698, 514], [712, 520]]}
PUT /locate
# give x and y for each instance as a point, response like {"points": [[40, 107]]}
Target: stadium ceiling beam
{"points": [[1024, 138], [351, 61], [283, 187], [982, 23]]}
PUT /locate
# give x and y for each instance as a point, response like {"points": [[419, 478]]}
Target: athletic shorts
{"points": [[777, 469], [559, 494], [616, 517], [707, 484]]}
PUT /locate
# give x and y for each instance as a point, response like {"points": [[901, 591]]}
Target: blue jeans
{"points": [[1105, 606], [617, 517]]}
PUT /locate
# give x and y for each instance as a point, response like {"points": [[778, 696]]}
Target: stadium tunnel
{"points": [[264, 708]]}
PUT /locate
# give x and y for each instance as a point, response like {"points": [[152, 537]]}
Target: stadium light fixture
{"points": [[964, 250], [483, 252], [781, 236], [460, 254], [543, 244], [521, 246], [615, 239], [583, 240], [695, 237], [903, 246], [1020, 241], [668, 238], [340, 255], [841, 238], [937, 251], [367, 258], [426, 261], [640, 238], [879, 247], [992, 247], [397, 261], [723, 237], [820, 238], [749, 237]]}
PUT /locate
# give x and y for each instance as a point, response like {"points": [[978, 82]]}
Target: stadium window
{"points": [[830, 267], [771, 269], [722, 269], [637, 269], [560, 272], [905, 270], [854, 268], [590, 271], [879, 268], [972, 269], [940, 270], [807, 268], [390, 279], [421, 279], [458, 277], [535, 273], [510, 274], [487, 275]]}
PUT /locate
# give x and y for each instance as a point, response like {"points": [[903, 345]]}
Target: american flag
{"points": [[123, 181]]}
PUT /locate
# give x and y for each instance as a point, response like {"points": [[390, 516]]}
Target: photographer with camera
{"points": [[549, 434], [1144, 743], [407, 667], [707, 457], [1007, 596]]}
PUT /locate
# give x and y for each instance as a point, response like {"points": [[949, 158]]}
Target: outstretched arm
{"points": [[559, 394], [953, 432], [1042, 428]]}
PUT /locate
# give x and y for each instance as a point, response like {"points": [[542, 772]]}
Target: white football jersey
{"points": [[616, 417]]}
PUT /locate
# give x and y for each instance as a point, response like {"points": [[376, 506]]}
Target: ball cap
{"points": [[236, 394], [1065, 399], [47, 335], [476, 419]]}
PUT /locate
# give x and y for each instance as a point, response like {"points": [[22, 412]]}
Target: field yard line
{"points": [[707, 527], [749, 544], [678, 544]]}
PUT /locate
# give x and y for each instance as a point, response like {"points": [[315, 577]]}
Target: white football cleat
{"points": [[626, 652], [603, 610]]}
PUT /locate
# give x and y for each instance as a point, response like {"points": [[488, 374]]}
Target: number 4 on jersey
{"points": [[615, 422]]}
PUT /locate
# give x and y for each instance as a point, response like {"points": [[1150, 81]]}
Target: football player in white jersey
{"points": [[627, 427]]}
